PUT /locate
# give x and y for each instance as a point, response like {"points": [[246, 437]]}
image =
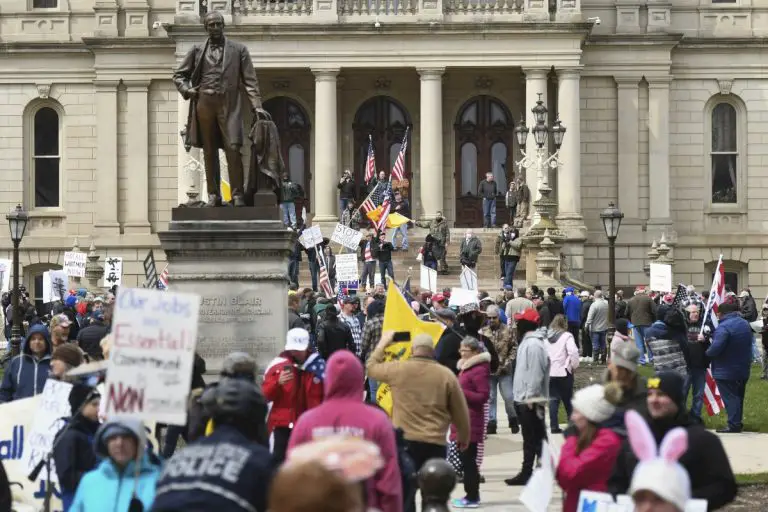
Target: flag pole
{"points": [[711, 297], [369, 196]]}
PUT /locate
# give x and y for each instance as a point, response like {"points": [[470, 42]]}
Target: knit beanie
{"points": [[622, 325], [79, 394], [69, 354], [626, 356], [597, 403], [671, 384]]}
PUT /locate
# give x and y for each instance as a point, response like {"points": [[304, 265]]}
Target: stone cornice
{"points": [[723, 43], [655, 40], [127, 43]]}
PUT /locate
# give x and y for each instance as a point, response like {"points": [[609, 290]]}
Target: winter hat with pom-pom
{"points": [[597, 403]]}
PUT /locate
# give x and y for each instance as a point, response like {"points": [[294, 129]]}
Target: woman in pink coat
{"points": [[474, 378]]}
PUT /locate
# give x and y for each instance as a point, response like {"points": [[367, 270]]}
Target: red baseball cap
{"points": [[438, 297], [529, 315]]}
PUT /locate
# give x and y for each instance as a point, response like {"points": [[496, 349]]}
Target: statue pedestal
{"points": [[238, 264]]}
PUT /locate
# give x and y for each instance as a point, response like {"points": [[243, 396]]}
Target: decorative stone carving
{"points": [[43, 91], [382, 83], [725, 22], [281, 84], [627, 18], [483, 82], [724, 86]]}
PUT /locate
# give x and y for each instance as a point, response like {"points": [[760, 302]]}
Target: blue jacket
{"points": [[572, 308], [26, 375], [731, 349], [222, 472]]}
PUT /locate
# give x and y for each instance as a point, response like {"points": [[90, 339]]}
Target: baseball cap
{"points": [[584, 293], [297, 339], [528, 315], [438, 297], [60, 320], [446, 313]]}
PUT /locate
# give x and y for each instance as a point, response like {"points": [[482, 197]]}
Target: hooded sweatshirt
{"points": [[109, 488], [532, 369], [26, 375], [343, 412]]}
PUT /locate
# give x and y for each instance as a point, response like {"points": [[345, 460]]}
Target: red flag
{"points": [[712, 398]]}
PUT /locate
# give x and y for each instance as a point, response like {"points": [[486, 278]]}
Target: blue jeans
{"points": [[369, 269], [293, 271], [560, 390], [373, 387], [640, 343], [505, 383], [403, 230], [509, 272], [697, 379], [343, 203], [289, 213], [598, 342], [733, 392], [314, 270], [489, 212]]}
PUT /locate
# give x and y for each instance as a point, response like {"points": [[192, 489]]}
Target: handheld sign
{"points": [[317, 235], [74, 263], [428, 279], [468, 279], [346, 236], [661, 277], [113, 272], [346, 267], [150, 364]]}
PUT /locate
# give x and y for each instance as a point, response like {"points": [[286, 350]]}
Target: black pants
{"points": [[172, 435], [560, 390], [421, 453], [532, 425], [573, 328], [471, 473], [280, 444], [587, 345]]}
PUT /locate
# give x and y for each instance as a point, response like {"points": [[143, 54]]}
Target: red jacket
{"points": [[292, 399], [474, 379], [588, 470]]}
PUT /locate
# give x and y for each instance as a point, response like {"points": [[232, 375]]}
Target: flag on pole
{"points": [[323, 279], [386, 206], [681, 297], [370, 162], [162, 280], [712, 398], [369, 204], [398, 170]]}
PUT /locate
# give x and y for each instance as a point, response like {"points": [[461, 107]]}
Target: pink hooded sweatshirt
{"points": [[343, 412]]}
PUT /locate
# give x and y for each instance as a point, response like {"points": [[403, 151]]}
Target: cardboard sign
{"points": [[428, 279], [537, 493], [150, 365], [54, 285], [305, 239], [316, 234], [462, 296], [74, 263], [468, 279], [346, 267], [346, 236], [5, 275], [113, 272], [661, 277]]}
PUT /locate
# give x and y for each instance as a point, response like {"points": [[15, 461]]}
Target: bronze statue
{"points": [[211, 77], [523, 203]]}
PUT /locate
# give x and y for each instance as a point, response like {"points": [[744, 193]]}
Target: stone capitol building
{"points": [[665, 104]]}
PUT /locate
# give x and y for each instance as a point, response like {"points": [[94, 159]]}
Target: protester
{"points": [[427, 253], [59, 327], [126, 477], [342, 412], [447, 348], [73, 453], [488, 189], [622, 369], [292, 388], [334, 334], [508, 245], [731, 355], [470, 249], [586, 338], [229, 470], [531, 389], [288, 193], [667, 340], [403, 207], [90, 336], [698, 363], [503, 340], [564, 359], [641, 311], [424, 416], [368, 257], [474, 373], [747, 307], [621, 305], [294, 320], [705, 459], [620, 336], [349, 317], [383, 250], [64, 358], [597, 326], [347, 190], [26, 374], [517, 305], [587, 459]]}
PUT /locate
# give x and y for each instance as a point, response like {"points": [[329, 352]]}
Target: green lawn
{"points": [[752, 478], [755, 404]]}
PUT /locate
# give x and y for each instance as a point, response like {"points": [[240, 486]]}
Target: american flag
{"points": [[315, 365], [162, 280], [323, 279], [712, 398], [369, 204], [681, 297], [386, 206], [398, 170], [370, 162]]}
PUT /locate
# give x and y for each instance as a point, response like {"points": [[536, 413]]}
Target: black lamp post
{"points": [[611, 218], [17, 223]]}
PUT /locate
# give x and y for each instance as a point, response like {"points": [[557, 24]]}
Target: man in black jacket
{"points": [[383, 250], [346, 188], [89, 338], [333, 334], [705, 460]]}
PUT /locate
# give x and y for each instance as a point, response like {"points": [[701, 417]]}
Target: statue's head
{"points": [[214, 24]]}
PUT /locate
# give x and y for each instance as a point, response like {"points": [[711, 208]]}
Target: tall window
{"points": [[724, 154], [295, 131], [46, 158], [44, 4]]}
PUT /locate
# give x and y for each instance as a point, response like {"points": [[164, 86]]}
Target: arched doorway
{"points": [[385, 120], [484, 135], [295, 131]]}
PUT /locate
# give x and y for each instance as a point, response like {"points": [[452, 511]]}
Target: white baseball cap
{"points": [[297, 339]]}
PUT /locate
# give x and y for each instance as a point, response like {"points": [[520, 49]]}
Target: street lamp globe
{"points": [[611, 218], [540, 132], [539, 112], [558, 133], [17, 223], [521, 132]]}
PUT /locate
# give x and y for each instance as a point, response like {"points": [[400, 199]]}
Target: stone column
{"points": [[569, 177], [629, 146], [658, 151], [431, 142], [137, 166], [106, 158], [189, 173], [326, 144], [535, 84]]}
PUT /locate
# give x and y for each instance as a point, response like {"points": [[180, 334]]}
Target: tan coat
{"points": [[426, 397]]}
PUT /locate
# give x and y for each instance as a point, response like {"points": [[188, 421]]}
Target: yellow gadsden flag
{"points": [[394, 220], [398, 317]]}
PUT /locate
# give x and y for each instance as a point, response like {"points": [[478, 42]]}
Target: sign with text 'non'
{"points": [[346, 236], [150, 364]]}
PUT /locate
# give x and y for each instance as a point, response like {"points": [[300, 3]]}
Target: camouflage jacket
{"points": [[504, 342], [438, 230]]}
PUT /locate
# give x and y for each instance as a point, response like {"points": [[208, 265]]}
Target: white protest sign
{"points": [[54, 285], [54, 406], [591, 501], [468, 279], [305, 239], [346, 236], [538, 491], [5, 275], [346, 267], [154, 334], [428, 279], [462, 296], [113, 272], [74, 263], [316, 234], [661, 277]]}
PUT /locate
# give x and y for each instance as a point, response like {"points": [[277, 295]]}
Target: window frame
{"points": [[741, 154], [30, 158], [54, 8]]}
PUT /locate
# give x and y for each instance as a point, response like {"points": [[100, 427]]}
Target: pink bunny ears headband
{"points": [[673, 446]]}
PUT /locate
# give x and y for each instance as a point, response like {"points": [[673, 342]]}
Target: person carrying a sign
{"points": [[25, 376], [438, 228]]}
